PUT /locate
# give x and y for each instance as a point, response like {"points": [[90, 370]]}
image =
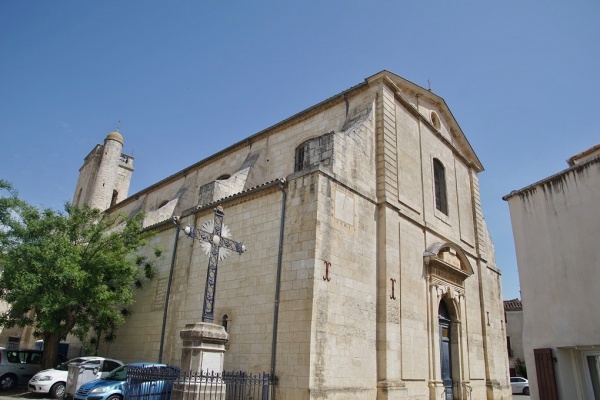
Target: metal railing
{"points": [[168, 383], [150, 382]]}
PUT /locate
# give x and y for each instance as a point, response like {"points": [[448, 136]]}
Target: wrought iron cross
{"points": [[216, 241]]}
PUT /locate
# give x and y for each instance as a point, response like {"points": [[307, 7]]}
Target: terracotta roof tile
{"points": [[513, 305]]}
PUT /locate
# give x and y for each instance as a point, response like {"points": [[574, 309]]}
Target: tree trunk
{"points": [[50, 356], [98, 334]]}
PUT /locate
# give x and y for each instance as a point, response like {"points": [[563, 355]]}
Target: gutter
{"points": [[176, 219], [278, 281], [164, 323]]}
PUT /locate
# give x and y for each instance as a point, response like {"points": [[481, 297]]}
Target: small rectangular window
{"points": [[299, 159], [13, 342]]}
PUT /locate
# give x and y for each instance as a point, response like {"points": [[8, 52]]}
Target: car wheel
{"points": [[526, 391], [8, 381], [114, 397], [57, 391]]}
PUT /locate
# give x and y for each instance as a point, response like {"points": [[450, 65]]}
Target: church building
{"points": [[369, 272]]}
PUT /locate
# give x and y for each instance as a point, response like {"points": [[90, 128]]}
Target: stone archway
{"points": [[447, 269]]}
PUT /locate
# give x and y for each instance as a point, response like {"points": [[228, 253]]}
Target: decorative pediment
{"points": [[404, 90], [448, 262]]}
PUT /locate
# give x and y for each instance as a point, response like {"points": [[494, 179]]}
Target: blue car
{"points": [[150, 380]]}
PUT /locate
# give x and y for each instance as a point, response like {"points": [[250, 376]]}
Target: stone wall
{"points": [[359, 216]]}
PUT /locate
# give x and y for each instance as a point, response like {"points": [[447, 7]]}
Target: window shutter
{"points": [[544, 365]]}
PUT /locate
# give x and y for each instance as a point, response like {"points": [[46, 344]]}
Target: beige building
{"points": [[369, 271], [556, 226], [513, 312]]}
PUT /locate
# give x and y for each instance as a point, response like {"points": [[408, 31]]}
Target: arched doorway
{"points": [[448, 268], [445, 349]]}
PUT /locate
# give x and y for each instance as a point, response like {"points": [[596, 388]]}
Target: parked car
{"points": [[519, 385], [113, 385], [18, 366], [53, 381]]}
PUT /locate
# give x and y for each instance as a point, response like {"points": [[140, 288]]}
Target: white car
{"points": [[519, 385], [54, 381]]}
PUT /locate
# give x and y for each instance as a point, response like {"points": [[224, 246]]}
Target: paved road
{"points": [[20, 393]]}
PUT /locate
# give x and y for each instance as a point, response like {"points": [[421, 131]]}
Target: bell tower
{"points": [[105, 175]]}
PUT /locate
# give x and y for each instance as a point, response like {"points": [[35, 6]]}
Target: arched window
{"points": [[300, 155], [113, 201], [223, 177], [439, 182], [225, 321], [443, 312]]}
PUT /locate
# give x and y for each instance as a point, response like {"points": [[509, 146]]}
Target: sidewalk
{"points": [[18, 393]]}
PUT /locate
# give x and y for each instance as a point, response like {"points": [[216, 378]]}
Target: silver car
{"points": [[519, 385], [18, 366]]}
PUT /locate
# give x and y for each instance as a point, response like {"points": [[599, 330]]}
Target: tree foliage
{"points": [[68, 272], [521, 368]]}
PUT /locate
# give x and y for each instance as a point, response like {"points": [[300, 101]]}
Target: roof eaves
{"points": [[202, 207], [576, 167], [513, 305], [187, 170]]}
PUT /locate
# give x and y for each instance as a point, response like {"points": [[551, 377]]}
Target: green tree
{"points": [[521, 368], [68, 272]]}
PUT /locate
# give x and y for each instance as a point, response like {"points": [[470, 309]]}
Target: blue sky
{"points": [[188, 78]]}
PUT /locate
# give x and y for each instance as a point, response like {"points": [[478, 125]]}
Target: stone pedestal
{"points": [[202, 356]]}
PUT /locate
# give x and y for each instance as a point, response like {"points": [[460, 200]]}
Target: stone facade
{"points": [[352, 245], [105, 175]]}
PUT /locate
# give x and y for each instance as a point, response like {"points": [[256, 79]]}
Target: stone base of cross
{"points": [[202, 352], [217, 241]]}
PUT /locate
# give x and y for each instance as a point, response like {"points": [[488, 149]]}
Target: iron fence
{"points": [[150, 382], [169, 383]]}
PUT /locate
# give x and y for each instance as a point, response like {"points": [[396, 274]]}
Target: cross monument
{"points": [[217, 245], [203, 346]]}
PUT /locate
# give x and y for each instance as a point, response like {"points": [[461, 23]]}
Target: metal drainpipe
{"points": [[164, 323], [278, 281]]}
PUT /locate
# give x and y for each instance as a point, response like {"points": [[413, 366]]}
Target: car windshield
{"points": [[65, 366], [119, 374]]}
